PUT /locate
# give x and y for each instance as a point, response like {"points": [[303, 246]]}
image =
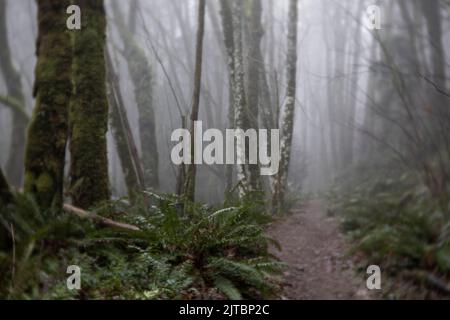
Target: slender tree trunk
{"points": [[228, 31], [367, 143], [191, 170], [89, 109], [339, 85], [353, 94], [179, 8], [14, 165], [229, 170], [431, 9], [141, 76], [288, 117], [47, 134], [126, 147], [255, 66], [181, 175], [330, 105], [438, 102], [240, 101]]}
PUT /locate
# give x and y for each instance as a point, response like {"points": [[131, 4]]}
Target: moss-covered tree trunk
{"points": [[89, 109], [141, 75], [287, 120], [14, 166], [47, 133]]}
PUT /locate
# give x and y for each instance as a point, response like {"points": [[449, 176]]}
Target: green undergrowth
{"points": [[205, 253], [395, 223]]}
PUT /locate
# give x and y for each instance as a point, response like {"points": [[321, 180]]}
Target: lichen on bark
{"points": [[228, 39], [288, 117], [89, 109], [240, 100], [47, 133]]}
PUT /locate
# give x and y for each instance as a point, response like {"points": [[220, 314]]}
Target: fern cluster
{"points": [[200, 253], [398, 225]]}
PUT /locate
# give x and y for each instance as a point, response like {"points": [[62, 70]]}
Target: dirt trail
{"points": [[314, 250]]}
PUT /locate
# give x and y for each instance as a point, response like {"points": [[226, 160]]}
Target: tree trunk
{"points": [[126, 147], [330, 117], [287, 121], [191, 170], [353, 94], [255, 63], [227, 29], [141, 76], [89, 109], [432, 12], [14, 165], [240, 101], [47, 134]]}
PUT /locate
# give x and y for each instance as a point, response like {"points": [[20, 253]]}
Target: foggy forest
{"points": [[224, 149]]}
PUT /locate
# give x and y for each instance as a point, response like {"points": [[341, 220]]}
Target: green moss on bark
{"points": [[89, 109], [47, 133]]}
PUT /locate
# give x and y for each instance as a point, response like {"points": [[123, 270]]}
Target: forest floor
{"points": [[315, 252]]}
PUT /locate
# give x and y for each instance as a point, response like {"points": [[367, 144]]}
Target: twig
{"points": [[438, 89]]}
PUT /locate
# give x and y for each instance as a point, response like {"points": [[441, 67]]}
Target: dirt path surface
{"points": [[314, 250]]}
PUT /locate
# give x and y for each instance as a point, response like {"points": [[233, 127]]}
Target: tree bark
{"points": [[255, 61], [288, 117], [240, 100], [89, 109], [227, 29], [47, 134]]}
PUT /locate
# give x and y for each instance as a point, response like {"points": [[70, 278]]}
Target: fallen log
{"points": [[102, 220]]}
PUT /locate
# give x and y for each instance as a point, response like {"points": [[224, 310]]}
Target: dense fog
{"points": [[347, 97]]}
